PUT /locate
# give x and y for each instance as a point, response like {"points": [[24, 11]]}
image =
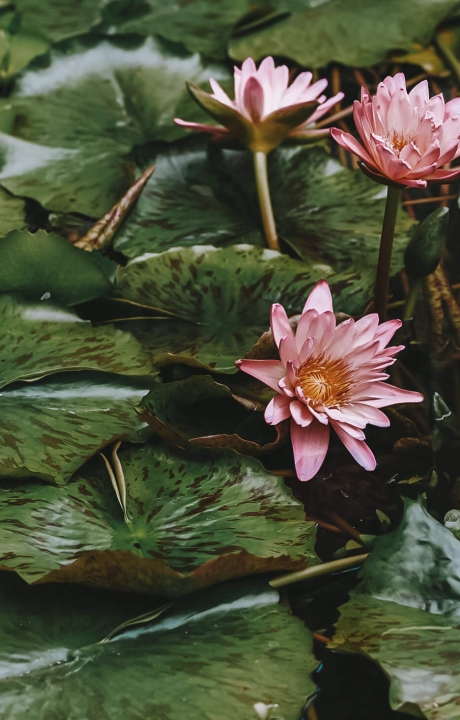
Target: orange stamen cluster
{"points": [[324, 381]]}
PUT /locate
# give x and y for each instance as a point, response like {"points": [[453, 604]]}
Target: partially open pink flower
{"points": [[266, 109], [329, 376], [406, 136]]}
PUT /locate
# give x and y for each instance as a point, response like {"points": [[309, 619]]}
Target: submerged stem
{"points": [[265, 203], [386, 246]]}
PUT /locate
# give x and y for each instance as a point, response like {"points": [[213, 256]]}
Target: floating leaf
{"points": [[405, 615], [11, 213], [221, 299], [344, 31], [326, 212], [48, 429], [37, 339], [17, 47], [202, 413], [214, 656], [196, 519], [67, 128], [46, 263], [60, 19]]}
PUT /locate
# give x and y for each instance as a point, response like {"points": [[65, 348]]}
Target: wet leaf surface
{"points": [[215, 654], [219, 299], [195, 519], [405, 613], [37, 339], [48, 429], [104, 97]]}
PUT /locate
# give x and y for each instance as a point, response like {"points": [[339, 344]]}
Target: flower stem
{"points": [[386, 245], [265, 203], [316, 570], [412, 296]]}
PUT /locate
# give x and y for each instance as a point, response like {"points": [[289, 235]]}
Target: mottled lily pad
{"points": [[218, 655], [67, 128], [405, 615], [344, 31], [202, 195], [48, 429], [60, 19], [194, 519], [219, 300], [199, 412], [37, 339]]}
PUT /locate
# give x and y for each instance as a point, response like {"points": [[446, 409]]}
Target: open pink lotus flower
{"points": [[329, 375], [266, 109], [406, 136]]}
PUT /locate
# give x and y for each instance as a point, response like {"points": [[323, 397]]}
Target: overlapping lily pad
{"points": [[35, 264], [215, 656], [11, 213], [104, 97], [48, 429], [60, 19], [202, 413], [219, 300], [201, 195], [194, 519], [405, 614], [344, 31], [37, 339]]}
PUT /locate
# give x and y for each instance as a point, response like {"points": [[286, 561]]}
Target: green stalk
{"points": [[412, 298], [265, 203], [386, 245]]}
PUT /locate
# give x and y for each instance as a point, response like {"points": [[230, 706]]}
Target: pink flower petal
{"points": [[253, 99], [219, 94], [320, 299], [216, 130], [303, 327], [349, 143], [310, 446], [382, 394], [288, 350], [300, 413], [280, 325], [269, 372], [277, 410], [357, 448]]}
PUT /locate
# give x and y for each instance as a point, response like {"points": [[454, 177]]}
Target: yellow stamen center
{"points": [[324, 381]]}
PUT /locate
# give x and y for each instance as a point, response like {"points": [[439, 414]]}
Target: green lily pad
{"points": [[344, 31], [11, 213], [17, 46], [195, 519], [48, 429], [60, 19], [326, 212], [67, 128], [46, 263], [202, 413], [219, 300], [37, 339], [405, 615], [216, 656]]}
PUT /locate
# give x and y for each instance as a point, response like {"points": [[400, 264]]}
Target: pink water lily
{"points": [[265, 109], [406, 137], [329, 376]]}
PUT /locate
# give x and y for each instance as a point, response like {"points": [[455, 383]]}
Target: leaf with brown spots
{"points": [[405, 615], [49, 428], [214, 655], [37, 339], [219, 300], [196, 518]]}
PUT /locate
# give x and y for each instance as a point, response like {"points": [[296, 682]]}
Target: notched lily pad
{"points": [[199, 412], [218, 654], [195, 519], [219, 300], [37, 339]]}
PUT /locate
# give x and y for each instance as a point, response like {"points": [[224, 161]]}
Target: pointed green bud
{"points": [[424, 250]]}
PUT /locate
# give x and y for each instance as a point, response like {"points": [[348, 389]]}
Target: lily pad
{"points": [[45, 263], [405, 615], [217, 655], [11, 213], [325, 211], [37, 339], [68, 127], [219, 300], [195, 519], [17, 46], [344, 31], [48, 429], [60, 19], [199, 412]]}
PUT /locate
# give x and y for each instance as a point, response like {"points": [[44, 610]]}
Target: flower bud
{"points": [[424, 250]]}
